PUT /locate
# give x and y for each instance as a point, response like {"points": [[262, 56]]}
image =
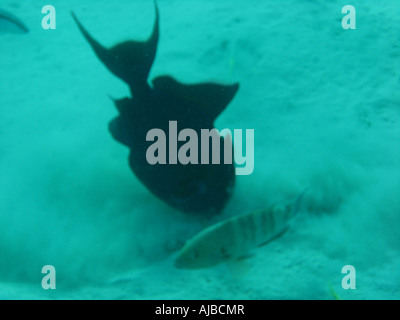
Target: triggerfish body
{"points": [[188, 187], [235, 238]]}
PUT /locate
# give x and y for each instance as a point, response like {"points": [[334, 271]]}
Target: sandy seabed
{"points": [[325, 106]]}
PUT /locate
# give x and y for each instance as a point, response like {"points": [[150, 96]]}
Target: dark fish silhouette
{"points": [[16, 24], [202, 188]]}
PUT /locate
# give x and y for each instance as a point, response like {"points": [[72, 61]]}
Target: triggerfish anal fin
{"points": [[11, 23]]}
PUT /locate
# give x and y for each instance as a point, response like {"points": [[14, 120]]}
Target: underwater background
{"points": [[325, 106]]}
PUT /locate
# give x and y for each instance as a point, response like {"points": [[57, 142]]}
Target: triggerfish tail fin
{"points": [[131, 61]]}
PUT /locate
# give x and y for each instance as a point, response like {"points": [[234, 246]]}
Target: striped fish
{"points": [[235, 238]]}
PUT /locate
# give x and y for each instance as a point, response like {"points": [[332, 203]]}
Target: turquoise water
{"points": [[324, 104]]}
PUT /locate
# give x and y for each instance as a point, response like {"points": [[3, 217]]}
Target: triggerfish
{"points": [[189, 187]]}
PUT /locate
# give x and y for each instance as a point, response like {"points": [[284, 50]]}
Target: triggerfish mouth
{"points": [[189, 187], [234, 239]]}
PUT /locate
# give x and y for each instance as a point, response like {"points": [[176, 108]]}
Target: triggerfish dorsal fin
{"points": [[131, 60], [208, 100]]}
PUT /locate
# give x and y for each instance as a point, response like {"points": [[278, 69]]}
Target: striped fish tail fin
{"points": [[297, 203]]}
